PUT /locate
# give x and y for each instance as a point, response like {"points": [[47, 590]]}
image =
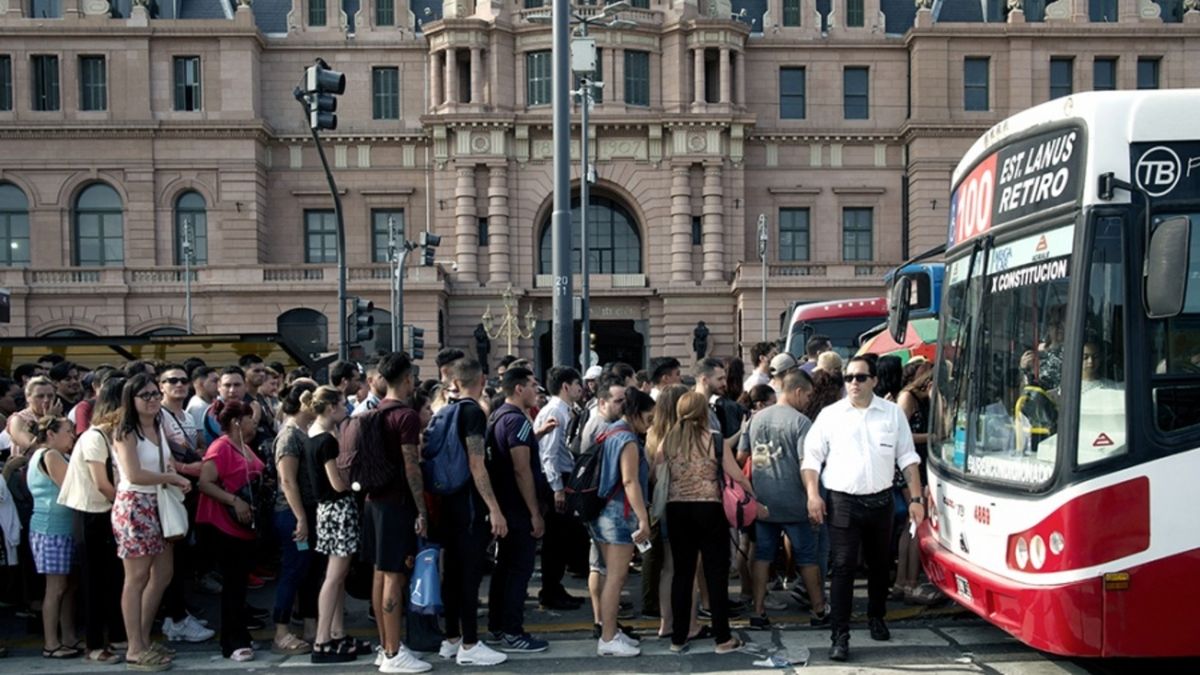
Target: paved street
{"points": [[938, 640]]}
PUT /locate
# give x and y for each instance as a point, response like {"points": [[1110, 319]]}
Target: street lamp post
{"points": [[762, 256], [510, 323], [188, 252]]}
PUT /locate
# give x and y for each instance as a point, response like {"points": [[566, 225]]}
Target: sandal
{"points": [[349, 645], [327, 652], [62, 652], [290, 646], [730, 647], [704, 633], [161, 648], [103, 656], [242, 655], [149, 662]]}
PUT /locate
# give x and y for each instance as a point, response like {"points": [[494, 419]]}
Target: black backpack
{"points": [[583, 491]]}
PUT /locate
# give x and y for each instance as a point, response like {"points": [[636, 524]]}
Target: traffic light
{"points": [[415, 339], [428, 243], [322, 85], [364, 320]]}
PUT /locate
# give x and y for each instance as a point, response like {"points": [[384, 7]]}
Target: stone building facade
{"points": [[839, 122]]}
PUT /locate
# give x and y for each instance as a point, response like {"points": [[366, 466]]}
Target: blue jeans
{"points": [[296, 570]]}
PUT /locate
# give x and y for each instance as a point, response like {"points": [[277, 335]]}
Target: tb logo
{"points": [[1157, 171]]}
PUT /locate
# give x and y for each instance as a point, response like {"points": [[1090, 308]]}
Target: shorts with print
{"points": [[613, 525], [136, 525], [337, 527], [52, 553]]}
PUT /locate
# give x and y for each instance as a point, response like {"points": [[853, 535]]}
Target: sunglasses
{"points": [[174, 380], [150, 396], [859, 377]]}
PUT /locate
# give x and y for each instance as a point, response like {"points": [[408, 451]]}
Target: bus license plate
{"points": [[964, 587]]}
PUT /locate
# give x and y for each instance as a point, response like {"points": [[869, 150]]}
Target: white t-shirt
{"points": [[151, 457], [79, 489]]}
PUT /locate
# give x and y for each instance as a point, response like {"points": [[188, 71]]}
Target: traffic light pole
{"points": [[398, 318], [562, 326], [344, 330]]}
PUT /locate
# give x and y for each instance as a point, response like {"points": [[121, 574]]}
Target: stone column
{"points": [[726, 89], [435, 81], [740, 78], [698, 76], [714, 229], [681, 223], [499, 262], [466, 231], [451, 75], [476, 76]]}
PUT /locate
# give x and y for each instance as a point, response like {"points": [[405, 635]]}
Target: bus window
{"points": [[1175, 353], [1102, 378]]}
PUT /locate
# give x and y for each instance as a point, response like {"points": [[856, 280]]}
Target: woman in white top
{"points": [[90, 490], [144, 462]]}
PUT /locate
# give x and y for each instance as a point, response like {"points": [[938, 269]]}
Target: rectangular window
{"points": [[637, 77], [1174, 345], [385, 93], [320, 237], [854, 13], [792, 86], [93, 83], [697, 231], [533, 4], [382, 221], [1102, 11], [6, 84], [856, 99], [640, 4], [791, 13], [793, 234], [316, 12], [537, 76], [45, 82], [385, 12], [45, 9], [975, 83], [1104, 74], [1148, 67], [187, 83], [1062, 76], [598, 76], [857, 234], [482, 232]]}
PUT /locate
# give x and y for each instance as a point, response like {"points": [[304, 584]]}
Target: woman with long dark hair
{"points": [[143, 463], [89, 489], [828, 388], [51, 534], [227, 487]]}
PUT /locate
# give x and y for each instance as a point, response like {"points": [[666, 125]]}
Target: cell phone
{"points": [[302, 545], [643, 545]]}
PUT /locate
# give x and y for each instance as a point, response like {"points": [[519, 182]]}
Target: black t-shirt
{"points": [[320, 449], [509, 428]]}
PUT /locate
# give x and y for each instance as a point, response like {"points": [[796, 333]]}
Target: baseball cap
{"points": [[782, 363], [592, 373]]}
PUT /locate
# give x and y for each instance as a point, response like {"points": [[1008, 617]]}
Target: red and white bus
{"points": [[1065, 450], [843, 321]]}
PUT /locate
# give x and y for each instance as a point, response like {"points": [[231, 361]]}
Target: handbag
{"points": [[425, 589], [662, 489], [740, 508], [246, 494], [172, 514]]}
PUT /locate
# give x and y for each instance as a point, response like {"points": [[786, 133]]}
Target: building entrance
{"points": [[615, 340]]}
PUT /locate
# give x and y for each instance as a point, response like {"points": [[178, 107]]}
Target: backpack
{"points": [[583, 490], [574, 431], [362, 454], [444, 462]]}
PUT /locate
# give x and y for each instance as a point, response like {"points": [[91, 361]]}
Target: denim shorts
{"points": [[613, 526], [810, 544]]}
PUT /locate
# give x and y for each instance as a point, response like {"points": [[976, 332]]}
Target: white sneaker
{"points": [[191, 619], [479, 655], [617, 647], [448, 650], [624, 637], [186, 631], [380, 657], [404, 662]]}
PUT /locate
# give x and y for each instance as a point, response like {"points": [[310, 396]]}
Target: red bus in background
{"points": [[844, 321]]}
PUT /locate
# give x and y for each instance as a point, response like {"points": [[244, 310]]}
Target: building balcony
{"points": [[812, 274], [597, 282], [646, 17]]}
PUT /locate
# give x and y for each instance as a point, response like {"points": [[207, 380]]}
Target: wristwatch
{"points": [[917, 500]]}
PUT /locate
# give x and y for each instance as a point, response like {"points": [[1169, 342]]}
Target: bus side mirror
{"points": [[1167, 267], [898, 306]]}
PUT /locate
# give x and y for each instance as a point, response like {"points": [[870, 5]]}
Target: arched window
{"points": [[190, 213], [99, 225], [614, 245], [14, 225]]}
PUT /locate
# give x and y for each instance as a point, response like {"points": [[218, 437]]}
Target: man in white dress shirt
{"points": [[859, 441]]}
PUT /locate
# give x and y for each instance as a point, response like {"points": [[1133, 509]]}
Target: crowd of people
{"points": [[331, 485]]}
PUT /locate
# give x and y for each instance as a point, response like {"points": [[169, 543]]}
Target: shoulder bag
{"points": [[172, 514]]}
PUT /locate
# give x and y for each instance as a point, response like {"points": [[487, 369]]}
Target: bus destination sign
{"points": [[1167, 170], [1019, 179]]}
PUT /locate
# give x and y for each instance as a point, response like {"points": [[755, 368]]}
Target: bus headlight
{"points": [[1057, 543], [1037, 551], [1022, 553]]}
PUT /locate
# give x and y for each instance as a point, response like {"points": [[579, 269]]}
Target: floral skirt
{"points": [[136, 526], [337, 527]]}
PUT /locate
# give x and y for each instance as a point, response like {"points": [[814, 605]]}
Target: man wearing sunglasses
{"points": [[854, 447]]}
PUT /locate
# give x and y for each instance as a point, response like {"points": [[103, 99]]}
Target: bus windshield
{"points": [[1001, 347], [843, 333]]}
